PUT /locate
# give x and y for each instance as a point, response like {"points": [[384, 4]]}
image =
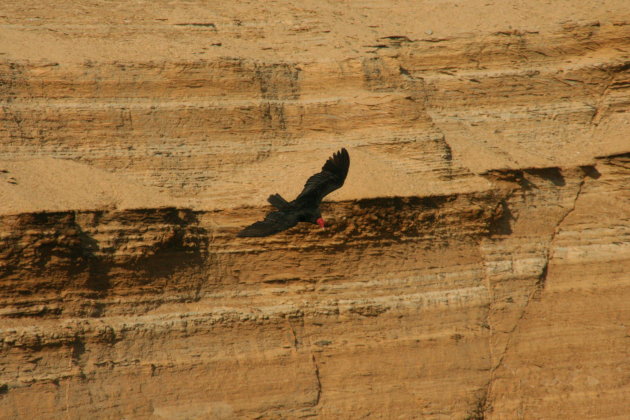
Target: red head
{"points": [[320, 222]]}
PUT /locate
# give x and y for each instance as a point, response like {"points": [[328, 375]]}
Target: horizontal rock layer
{"points": [[439, 108]]}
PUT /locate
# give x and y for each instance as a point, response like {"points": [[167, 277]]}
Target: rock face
{"points": [[477, 263]]}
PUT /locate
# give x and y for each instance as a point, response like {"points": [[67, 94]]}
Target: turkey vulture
{"points": [[305, 208]]}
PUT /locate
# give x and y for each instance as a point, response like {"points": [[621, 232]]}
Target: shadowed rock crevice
{"points": [[318, 391], [90, 253], [478, 411]]}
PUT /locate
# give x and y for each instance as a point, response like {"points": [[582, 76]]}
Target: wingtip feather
{"points": [[339, 162]]}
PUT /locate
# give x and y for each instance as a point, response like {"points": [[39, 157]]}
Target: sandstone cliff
{"points": [[477, 260]]}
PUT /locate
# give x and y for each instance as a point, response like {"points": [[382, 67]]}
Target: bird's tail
{"points": [[278, 202]]}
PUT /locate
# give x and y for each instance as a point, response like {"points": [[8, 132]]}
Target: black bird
{"points": [[305, 208]]}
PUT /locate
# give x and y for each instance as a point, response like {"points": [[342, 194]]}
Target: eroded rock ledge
{"points": [[471, 289]]}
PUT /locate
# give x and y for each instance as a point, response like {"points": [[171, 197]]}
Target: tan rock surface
{"points": [[477, 260], [47, 184]]}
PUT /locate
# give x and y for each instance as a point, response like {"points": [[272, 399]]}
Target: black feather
{"points": [[332, 177], [278, 202], [275, 222]]}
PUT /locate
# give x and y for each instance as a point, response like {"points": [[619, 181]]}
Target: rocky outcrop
{"points": [[476, 263]]}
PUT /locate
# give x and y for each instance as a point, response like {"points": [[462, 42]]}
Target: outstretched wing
{"points": [[331, 177], [275, 222]]}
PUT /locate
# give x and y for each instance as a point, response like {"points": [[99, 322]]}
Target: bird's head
{"points": [[316, 218]]}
